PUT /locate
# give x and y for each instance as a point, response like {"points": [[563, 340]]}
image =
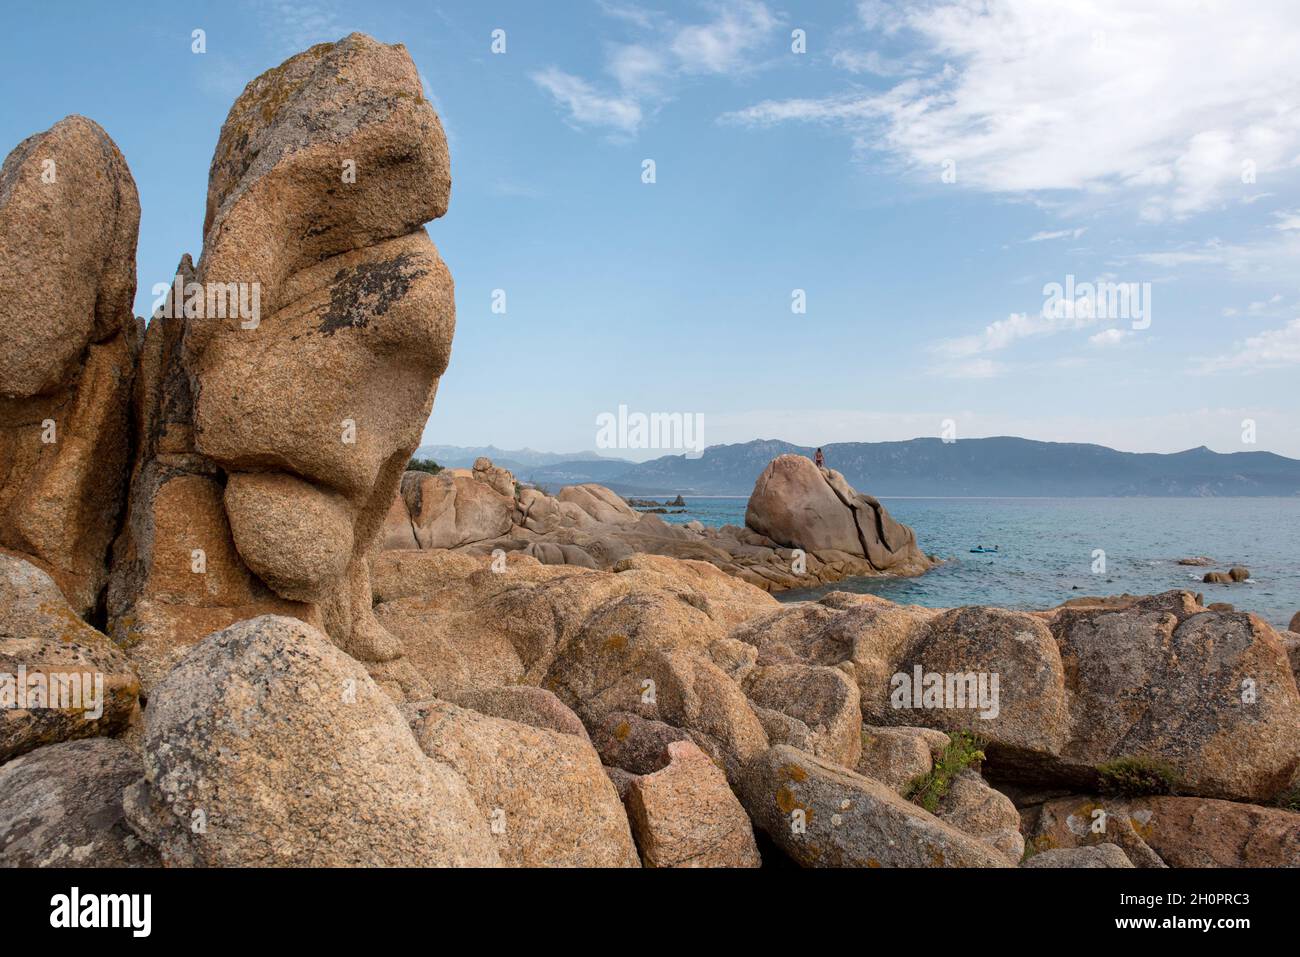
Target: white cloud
{"points": [[977, 368], [644, 72], [1057, 234], [724, 44], [1097, 95], [1019, 325], [1275, 348], [586, 106], [1287, 220], [1109, 337]]}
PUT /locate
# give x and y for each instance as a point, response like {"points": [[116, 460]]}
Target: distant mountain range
{"points": [[968, 467], [518, 461]]}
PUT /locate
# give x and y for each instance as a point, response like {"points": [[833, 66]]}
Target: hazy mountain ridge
{"points": [[1002, 465]]}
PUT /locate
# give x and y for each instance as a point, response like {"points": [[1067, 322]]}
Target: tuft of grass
{"points": [[964, 750], [423, 465], [1137, 777], [1289, 800]]}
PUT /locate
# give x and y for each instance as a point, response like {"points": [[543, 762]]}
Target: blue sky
{"points": [[921, 172]]}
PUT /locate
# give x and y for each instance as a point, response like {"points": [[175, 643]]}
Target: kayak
{"points": [[984, 551]]}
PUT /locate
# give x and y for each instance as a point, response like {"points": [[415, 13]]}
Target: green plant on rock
{"points": [[964, 750], [1136, 777], [1289, 800], [423, 465]]}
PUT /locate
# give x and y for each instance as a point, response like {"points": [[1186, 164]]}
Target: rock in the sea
{"points": [[1238, 573], [543, 793], [1294, 626], [290, 413], [685, 815], [1217, 578], [61, 806], [69, 216], [267, 746], [60, 679], [1100, 855], [799, 505], [823, 815]]}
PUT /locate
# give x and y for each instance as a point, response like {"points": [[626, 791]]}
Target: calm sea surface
{"points": [[1046, 546]]}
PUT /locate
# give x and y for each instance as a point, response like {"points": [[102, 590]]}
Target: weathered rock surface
{"points": [[524, 705], [824, 700], [684, 815], [267, 746], [544, 793], [1165, 679], [823, 815], [1179, 831], [975, 808], [60, 679], [69, 217], [61, 806], [1028, 714], [898, 756], [274, 437], [1102, 855], [634, 744]]}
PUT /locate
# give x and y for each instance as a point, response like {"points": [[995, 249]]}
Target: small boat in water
{"points": [[984, 550]]}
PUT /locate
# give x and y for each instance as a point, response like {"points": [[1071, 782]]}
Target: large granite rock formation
{"points": [[69, 216], [574, 699], [804, 526], [258, 490]]}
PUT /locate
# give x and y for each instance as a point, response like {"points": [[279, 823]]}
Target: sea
{"points": [[1048, 549]]}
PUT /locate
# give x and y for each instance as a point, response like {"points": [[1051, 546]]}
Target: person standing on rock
{"points": [[820, 459]]}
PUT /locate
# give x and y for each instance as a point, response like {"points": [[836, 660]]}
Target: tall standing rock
{"points": [[69, 217], [798, 505], [301, 401]]}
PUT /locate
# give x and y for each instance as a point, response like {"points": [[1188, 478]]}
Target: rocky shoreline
{"points": [[804, 526], [235, 632]]}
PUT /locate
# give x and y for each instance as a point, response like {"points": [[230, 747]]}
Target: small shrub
{"points": [[1289, 800], [963, 751], [1136, 777], [423, 465]]}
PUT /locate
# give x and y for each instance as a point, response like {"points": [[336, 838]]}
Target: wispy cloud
{"points": [[1057, 234], [1110, 96], [644, 73], [588, 107], [1273, 349], [1002, 333]]}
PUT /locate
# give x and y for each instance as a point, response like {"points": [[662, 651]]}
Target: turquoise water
{"points": [[1046, 549]]}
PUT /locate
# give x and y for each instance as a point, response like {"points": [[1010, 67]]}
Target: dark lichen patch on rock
{"points": [[368, 290]]}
